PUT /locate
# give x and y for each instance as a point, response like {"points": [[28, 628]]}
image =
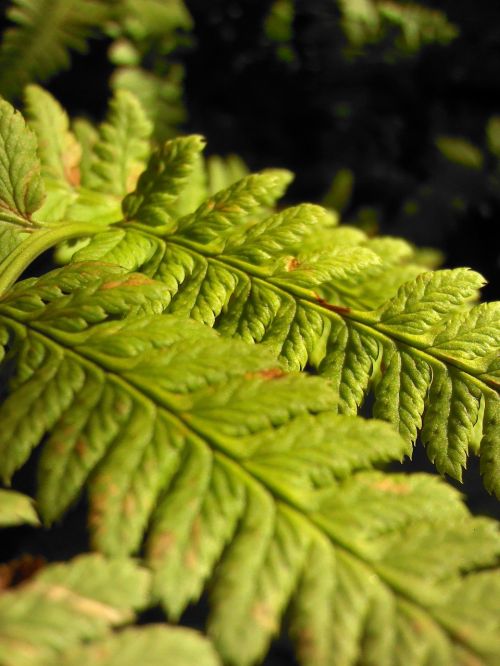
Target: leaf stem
{"points": [[13, 266]]}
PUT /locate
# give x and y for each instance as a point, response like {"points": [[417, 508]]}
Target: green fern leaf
{"points": [[221, 458], [121, 148], [223, 172], [261, 243], [59, 151], [87, 136], [39, 205], [378, 282], [422, 304], [68, 604], [472, 336], [216, 216], [148, 646], [161, 96], [323, 268], [16, 509], [459, 605], [153, 20], [145, 35], [43, 34], [22, 189], [21, 185], [87, 179], [161, 183], [408, 24], [236, 266]]}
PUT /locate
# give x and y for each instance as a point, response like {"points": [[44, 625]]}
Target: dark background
{"points": [[324, 112]]}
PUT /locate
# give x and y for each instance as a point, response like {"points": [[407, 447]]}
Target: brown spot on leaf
{"points": [[129, 506], [191, 559], [20, 570], [100, 500], [270, 373], [464, 634], [339, 309], [71, 160], [82, 605], [120, 407], [162, 545], [264, 616], [292, 264], [196, 531], [191, 556], [419, 627], [135, 280], [58, 447], [81, 448], [72, 175], [306, 645], [393, 487]]}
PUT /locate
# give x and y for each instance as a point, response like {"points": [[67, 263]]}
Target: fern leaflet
{"points": [[16, 509]]}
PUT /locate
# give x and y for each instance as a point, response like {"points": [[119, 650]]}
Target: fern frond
{"points": [[371, 21], [220, 457], [233, 265], [106, 165], [122, 147], [145, 35], [58, 148], [42, 37], [59, 152], [16, 509], [400, 263], [65, 605], [162, 182], [21, 185], [460, 151], [152, 22], [84, 196], [218, 215], [22, 189]]}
